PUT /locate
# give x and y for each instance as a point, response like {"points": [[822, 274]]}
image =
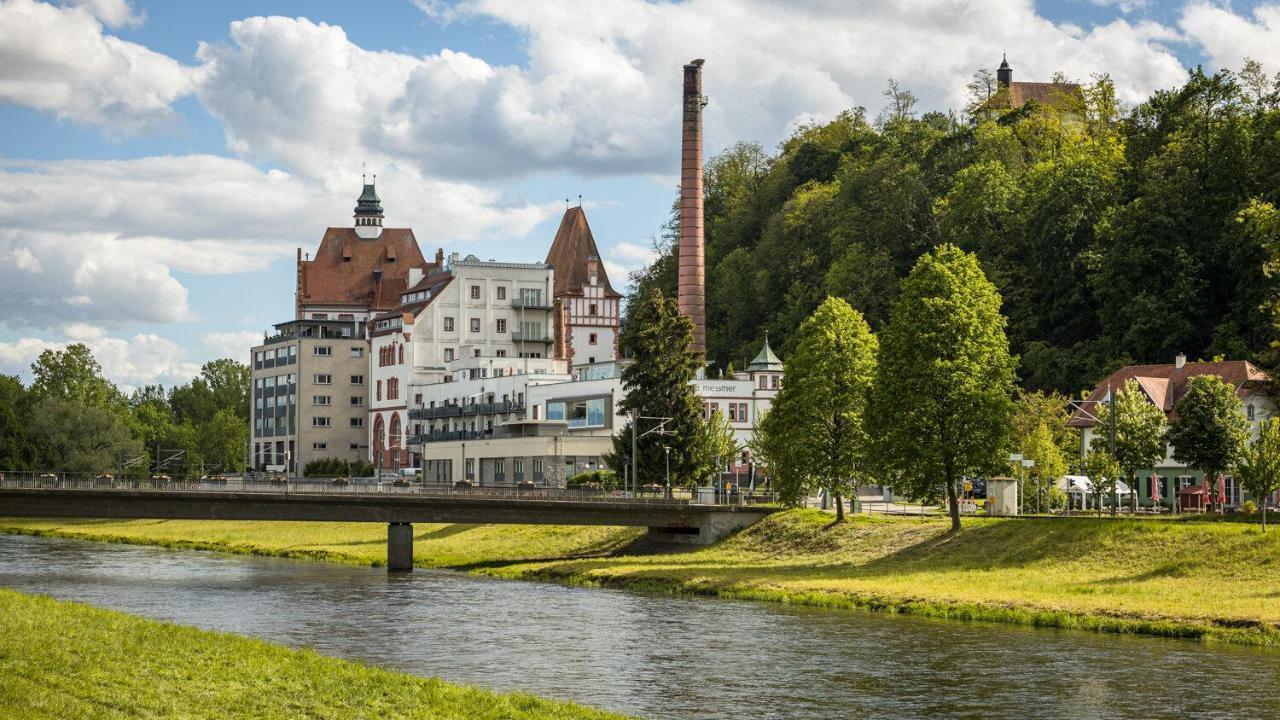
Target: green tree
{"points": [[940, 404], [1210, 429], [1258, 466], [72, 437], [715, 447], [657, 384], [1050, 463], [1102, 471], [1139, 434], [819, 412], [75, 376], [16, 451], [222, 441], [229, 385]]}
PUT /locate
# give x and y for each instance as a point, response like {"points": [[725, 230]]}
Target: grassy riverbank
{"points": [[1207, 580], [443, 546], [1181, 578], [67, 660]]}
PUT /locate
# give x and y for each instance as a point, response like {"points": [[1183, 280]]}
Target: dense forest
{"points": [[1114, 235]]}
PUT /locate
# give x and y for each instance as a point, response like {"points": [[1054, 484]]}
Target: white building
{"points": [[560, 424], [474, 320]]}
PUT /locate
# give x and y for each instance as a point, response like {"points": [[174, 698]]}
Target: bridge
{"points": [[669, 520]]}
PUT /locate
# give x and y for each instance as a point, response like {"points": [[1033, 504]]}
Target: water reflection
{"points": [[655, 656]]}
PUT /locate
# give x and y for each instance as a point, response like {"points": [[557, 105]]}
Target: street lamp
{"points": [[1026, 466], [667, 448], [1016, 459]]}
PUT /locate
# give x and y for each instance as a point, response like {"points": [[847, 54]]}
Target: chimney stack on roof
{"points": [[1180, 361], [691, 287]]}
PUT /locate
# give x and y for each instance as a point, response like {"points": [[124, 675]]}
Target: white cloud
{"points": [[1228, 38], [130, 363], [58, 60], [234, 345], [112, 13], [600, 92], [99, 240], [633, 254]]}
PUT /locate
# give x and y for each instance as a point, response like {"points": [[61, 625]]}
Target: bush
{"points": [[1248, 507], [333, 467], [604, 479]]}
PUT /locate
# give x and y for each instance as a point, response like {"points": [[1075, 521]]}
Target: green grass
{"points": [[1207, 580], [67, 660], [1183, 578], [352, 543]]}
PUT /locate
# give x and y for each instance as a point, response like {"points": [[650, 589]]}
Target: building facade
{"points": [[1163, 386], [309, 395], [588, 311]]}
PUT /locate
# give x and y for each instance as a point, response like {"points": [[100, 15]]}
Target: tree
{"points": [[79, 438], [657, 384], [819, 412], [1258, 466], [715, 446], [16, 452], [940, 404], [1050, 463], [1210, 429], [1102, 471], [229, 385], [222, 441], [1139, 434], [73, 375]]}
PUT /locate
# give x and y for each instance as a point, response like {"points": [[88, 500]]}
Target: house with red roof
{"points": [[1163, 385]]}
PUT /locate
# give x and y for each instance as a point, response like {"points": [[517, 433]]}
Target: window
{"points": [[325, 379], [400, 354], [322, 351], [357, 379], [319, 446], [448, 354], [417, 399], [764, 382], [499, 469], [320, 400], [591, 309], [591, 339], [1248, 411], [501, 353], [393, 389], [579, 413], [475, 292], [378, 393], [448, 324], [475, 325], [357, 422], [320, 422], [518, 466], [537, 467], [319, 316], [357, 400], [502, 327], [357, 351], [502, 292], [774, 380], [355, 446]]}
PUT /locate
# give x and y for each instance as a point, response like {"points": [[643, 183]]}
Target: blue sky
{"points": [[160, 161]]}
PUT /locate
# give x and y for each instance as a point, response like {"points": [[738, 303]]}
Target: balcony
{"points": [[448, 436], [530, 303], [520, 336], [444, 411]]}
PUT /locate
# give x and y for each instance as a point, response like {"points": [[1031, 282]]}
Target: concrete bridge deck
{"points": [[399, 507]]}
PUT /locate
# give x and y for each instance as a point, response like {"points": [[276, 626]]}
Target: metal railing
{"points": [[354, 487]]}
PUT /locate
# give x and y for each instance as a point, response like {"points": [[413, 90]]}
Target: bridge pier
{"points": [[710, 527], [400, 547]]}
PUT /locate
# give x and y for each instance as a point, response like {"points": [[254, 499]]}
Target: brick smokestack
{"points": [[691, 288]]}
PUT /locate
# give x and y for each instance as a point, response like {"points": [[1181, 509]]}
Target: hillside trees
{"points": [[1210, 430]]}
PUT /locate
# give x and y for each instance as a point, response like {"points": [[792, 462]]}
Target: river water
{"points": [[657, 656]]}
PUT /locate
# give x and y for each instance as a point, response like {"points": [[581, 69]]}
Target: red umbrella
{"points": [[1155, 488], [1222, 490]]}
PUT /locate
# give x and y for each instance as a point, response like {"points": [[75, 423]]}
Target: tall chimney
{"points": [[691, 288]]}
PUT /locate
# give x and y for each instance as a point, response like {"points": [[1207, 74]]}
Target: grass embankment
{"points": [[442, 546], [1207, 580], [66, 660], [1181, 578]]}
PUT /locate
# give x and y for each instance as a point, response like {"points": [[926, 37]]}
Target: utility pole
{"points": [[635, 483]]}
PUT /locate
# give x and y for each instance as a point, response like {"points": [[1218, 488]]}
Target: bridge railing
{"points": [[346, 487]]}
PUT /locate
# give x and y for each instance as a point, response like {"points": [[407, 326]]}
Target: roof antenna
{"points": [[566, 203]]}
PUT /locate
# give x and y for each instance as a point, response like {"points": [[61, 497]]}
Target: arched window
{"points": [[378, 440], [402, 354], [393, 442]]}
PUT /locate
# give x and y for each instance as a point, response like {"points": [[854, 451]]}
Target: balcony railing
{"points": [[531, 303], [444, 411], [448, 436], [534, 337]]}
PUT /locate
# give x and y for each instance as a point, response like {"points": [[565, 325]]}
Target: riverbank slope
{"points": [[67, 660], [1182, 578]]}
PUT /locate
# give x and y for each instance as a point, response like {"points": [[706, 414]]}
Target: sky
{"points": [[161, 162]]}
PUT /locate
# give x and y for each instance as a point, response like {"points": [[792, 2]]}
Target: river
{"points": [[653, 655]]}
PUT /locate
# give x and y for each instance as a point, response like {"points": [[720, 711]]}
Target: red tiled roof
{"points": [[1045, 93], [569, 253], [343, 269], [1164, 384]]}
